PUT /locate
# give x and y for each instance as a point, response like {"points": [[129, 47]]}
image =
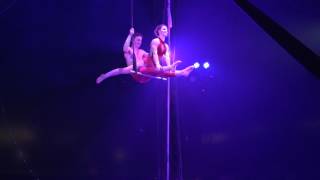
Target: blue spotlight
{"points": [[196, 65], [206, 65]]}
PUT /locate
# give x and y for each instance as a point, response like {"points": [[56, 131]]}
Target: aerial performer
{"points": [[154, 65], [160, 54]]}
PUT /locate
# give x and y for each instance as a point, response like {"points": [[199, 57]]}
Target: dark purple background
{"points": [[253, 115]]}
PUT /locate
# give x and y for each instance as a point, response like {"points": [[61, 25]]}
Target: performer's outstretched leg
{"points": [[184, 72], [152, 71], [171, 67], [114, 72], [166, 71]]}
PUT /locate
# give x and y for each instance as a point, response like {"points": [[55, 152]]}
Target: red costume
{"points": [[139, 78], [149, 66]]}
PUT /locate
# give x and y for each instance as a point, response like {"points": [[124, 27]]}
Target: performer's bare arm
{"points": [[126, 45]]}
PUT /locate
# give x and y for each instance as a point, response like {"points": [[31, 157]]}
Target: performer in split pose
{"points": [[147, 64], [160, 54]]}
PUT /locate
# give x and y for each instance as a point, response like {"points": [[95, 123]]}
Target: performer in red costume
{"points": [[160, 54], [147, 64]]}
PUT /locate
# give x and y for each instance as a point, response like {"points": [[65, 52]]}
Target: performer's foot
{"points": [[100, 78], [186, 71]]}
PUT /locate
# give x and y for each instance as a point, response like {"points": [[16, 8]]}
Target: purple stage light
{"points": [[206, 65], [196, 65]]}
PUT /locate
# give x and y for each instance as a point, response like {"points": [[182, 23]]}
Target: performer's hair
{"points": [[156, 33], [136, 35]]}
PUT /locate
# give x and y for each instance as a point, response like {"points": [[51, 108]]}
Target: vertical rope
{"points": [[131, 11], [134, 60], [168, 95], [168, 131]]}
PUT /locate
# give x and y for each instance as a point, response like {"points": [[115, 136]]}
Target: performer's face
{"points": [[163, 31], [137, 41]]}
